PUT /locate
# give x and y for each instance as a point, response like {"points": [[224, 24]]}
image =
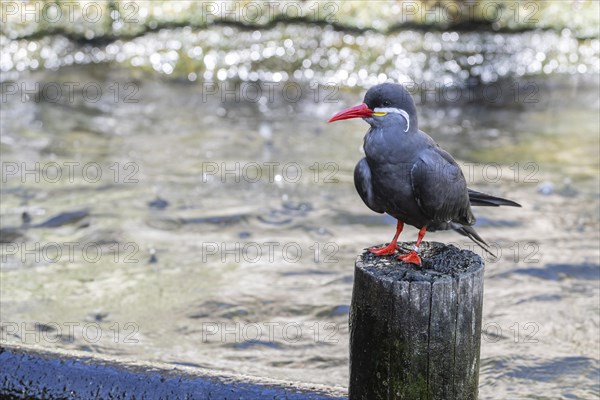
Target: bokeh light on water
{"points": [[320, 54]]}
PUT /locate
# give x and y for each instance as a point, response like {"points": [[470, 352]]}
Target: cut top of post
{"points": [[439, 261]]}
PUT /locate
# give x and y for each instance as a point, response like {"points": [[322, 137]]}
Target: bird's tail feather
{"points": [[472, 234], [487, 200]]}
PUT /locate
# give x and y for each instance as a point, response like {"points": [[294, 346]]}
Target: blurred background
{"points": [[171, 190]]}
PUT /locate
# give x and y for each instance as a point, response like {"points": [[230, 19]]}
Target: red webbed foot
{"points": [[413, 256], [390, 248], [410, 258], [385, 250]]}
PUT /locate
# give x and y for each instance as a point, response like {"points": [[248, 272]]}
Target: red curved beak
{"points": [[359, 111]]}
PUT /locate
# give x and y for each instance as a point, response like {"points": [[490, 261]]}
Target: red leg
{"points": [[390, 248], [413, 256]]}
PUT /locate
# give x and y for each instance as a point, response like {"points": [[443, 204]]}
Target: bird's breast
{"points": [[391, 167]]}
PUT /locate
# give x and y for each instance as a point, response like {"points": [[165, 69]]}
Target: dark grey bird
{"points": [[407, 175]]}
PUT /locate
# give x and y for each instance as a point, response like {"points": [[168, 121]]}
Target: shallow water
{"points": [[223, 234]]}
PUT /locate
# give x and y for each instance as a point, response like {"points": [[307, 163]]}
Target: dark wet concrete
{"points": [[29, 373]]}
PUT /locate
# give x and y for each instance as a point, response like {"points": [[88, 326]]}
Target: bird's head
{"points": [[386, 104]]}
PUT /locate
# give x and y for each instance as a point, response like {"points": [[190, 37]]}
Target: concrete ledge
{"points": [[34, 372]]}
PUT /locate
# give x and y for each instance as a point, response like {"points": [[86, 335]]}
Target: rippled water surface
{"points": [[192, 227]]}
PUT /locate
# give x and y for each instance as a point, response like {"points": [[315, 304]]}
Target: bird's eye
{"points": [[386, 103]]}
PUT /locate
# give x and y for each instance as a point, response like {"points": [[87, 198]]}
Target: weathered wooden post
{"points": [[415, 332]]}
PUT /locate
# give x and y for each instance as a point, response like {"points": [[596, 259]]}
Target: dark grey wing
{"points": [[364, 185], [440, 188]]}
